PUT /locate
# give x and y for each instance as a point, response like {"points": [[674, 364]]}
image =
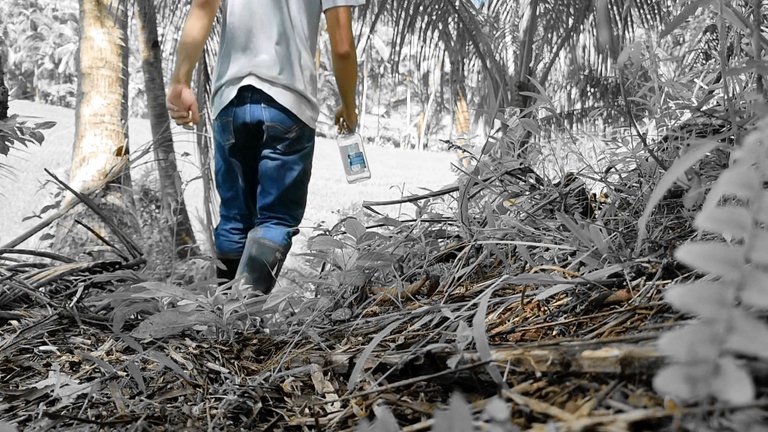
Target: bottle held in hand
{"points": [[353, 157]]}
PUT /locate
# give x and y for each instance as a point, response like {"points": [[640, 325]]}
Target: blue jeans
{"points": [[263, 161]]}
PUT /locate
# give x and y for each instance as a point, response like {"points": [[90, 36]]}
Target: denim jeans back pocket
{"points": [[278, 130], [284, 130]]}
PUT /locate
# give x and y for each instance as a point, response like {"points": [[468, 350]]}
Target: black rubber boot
{"points": [[261, 264], [226, 274]]}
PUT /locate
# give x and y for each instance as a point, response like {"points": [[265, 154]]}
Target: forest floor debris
{"points": [[526, 315]]}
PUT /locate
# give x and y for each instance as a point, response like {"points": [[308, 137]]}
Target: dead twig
{"points": [[132, 248]]}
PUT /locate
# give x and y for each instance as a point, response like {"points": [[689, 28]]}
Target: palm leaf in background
{"points": [[456, 30], [496, 50]]}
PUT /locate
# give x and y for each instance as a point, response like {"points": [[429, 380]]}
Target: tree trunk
{"points": [[205, 143], [461, 117], [378, 103], [364, 103], [3, 88], [435, 80], [525, 71], [100, 154], [526, 56], [757, 23], [408, 85], [408, 128], [171, 192]]}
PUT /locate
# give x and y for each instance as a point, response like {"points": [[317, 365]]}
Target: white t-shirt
{"points": [[271, 44]]}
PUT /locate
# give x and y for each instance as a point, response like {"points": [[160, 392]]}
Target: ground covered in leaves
{"points": [[509, 303]]}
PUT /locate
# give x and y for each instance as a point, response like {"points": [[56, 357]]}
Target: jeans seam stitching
{"points": [[267, 121]]}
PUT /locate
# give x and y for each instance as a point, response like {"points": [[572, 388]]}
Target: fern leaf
{"points": [[748, 336], [726, 380], [683, 381], [457, 418], [735, 222], [743, 182], [714, 258], [755, 290], [759, 251], [732, 383], [703, 298], [737, 207], [760, 211], [694, 343]]}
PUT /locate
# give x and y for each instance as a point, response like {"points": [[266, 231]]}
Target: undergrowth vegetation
{"points": [[731, 249], [598, 269]]}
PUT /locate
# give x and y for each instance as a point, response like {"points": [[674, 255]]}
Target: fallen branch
{"points": [[619, 359], [41, 254], [26, 235], [132, 248], [412, 198], [67, 205]]}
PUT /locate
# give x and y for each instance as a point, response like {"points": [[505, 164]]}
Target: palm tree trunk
{"points": [[364, 103], [408, 129], [435, 80], [526, 56], [378, 103], [171, 192], [524, 72], [3, 88], [426, 117], [100, 151], [205, 143], [462, 117], [408, 85], [757, 22]]}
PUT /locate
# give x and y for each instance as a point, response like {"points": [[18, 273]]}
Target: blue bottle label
{"points": [[356, 161]]}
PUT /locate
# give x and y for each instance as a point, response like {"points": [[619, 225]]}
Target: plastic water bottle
{"points": [[353, 157]]}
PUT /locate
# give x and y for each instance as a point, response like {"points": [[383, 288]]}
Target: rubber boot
{"points": [[261, 264], [226, 274]]}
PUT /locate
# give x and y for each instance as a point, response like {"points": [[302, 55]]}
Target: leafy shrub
{"points": [[14, 133], [732, 251], [41, 39]]}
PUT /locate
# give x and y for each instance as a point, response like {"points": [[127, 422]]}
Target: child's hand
{"points": [[182, 105], [346, 120]]}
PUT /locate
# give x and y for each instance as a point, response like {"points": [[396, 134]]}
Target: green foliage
{"points": [[172, 296], [348, 249], [41, 39], [167, 309], [395, 254], [15, 133], [728, 301]]}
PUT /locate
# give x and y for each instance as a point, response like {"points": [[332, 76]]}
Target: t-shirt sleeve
{"points": [[328, 4]]}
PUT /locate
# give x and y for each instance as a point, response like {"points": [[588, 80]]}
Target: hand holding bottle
{"points": [[353, 157], [346, 120]]}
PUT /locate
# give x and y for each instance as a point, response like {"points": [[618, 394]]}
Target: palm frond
{"points": [[458, 30]]}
